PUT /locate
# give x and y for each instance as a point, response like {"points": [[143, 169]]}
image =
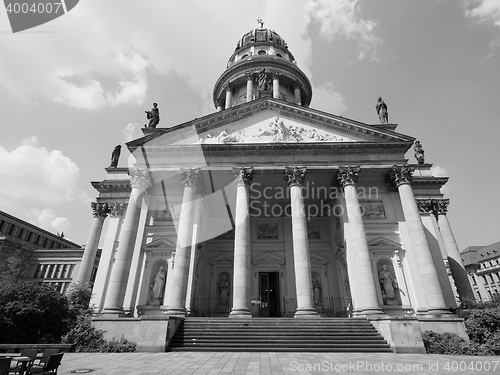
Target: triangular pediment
{"points": [[221, 259], [160, 243], [268, 121], [268, 259], [382, 242]]}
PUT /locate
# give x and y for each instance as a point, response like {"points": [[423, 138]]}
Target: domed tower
{"points": [[261, 66]]}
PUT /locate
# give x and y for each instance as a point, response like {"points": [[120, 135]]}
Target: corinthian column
{"points": [[249, 76], [242, 251], [139, 181], [228, 96], [276, 85], [294, 176], [458, 272], [177, 294], [436, 305], [359, 263], [100, 211], [296, 95]]}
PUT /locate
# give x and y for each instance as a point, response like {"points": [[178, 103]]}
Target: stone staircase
{"points": [[278, 335]]}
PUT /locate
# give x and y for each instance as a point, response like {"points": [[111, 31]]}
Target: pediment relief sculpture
{"points": [[277, 131]]}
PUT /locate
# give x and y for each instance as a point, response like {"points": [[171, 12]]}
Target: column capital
{"points": [[100, 209], [294, 176], [116, 208], [190, 177], [243, 175], [139, 179], [440, 206], [275, 75], [348, 175], [250, 76], [227, 86], [424, 205], [402, 174]]}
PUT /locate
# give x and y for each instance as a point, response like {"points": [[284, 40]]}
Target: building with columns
{"points": [[269, 208], [31, 254]]}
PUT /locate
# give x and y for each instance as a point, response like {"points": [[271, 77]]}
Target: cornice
{"points": [[114, 185], [341, 125], [429, 181]]}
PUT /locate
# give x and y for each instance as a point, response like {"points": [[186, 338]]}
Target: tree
{"points": [[32, 313]]}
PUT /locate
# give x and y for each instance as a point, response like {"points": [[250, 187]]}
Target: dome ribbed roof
{"points": [[259, 35]]}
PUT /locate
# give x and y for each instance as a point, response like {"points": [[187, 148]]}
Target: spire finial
{"points": [[260, 22]]}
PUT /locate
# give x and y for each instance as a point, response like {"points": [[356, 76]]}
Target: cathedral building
{"points": [[267, 208]]}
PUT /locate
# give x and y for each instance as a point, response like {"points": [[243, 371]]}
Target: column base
{"points": [[240, 314], [112, 312], [434, 312], [179, 312], [306, 313], [367, 311]]}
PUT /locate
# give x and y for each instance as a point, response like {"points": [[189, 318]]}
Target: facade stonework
{"points": [[269, 208]]}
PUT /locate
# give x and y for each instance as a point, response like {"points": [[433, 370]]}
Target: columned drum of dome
{"points": [[262, 56]]}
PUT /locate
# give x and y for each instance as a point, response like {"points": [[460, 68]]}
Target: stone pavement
{"points": [[274, 363]]}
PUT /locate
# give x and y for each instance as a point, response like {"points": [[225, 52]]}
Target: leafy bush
{"points": [[118, 346], [85, 336], [482, 321], [451, 343], [32, 313], [482, 324]]}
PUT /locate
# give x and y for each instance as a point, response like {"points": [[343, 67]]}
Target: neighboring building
{"points": [[254, 211], [29, 253], [483, 266]]}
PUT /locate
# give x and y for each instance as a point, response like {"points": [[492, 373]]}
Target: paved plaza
{"points": [[274, 363]]}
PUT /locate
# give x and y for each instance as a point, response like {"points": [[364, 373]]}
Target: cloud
{"points": [[78, 68], [339, 19], [328, 100], [82, 91], [483, 10], [48, 220], [438, 171], [34, 177], [131, 131]]}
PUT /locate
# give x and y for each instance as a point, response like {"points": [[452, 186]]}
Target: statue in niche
{"points": [[389, 286], [381, 108], [158, 286], [419, 152], [316, 292], [153, 116], [224, 290], [115, 155], [262, 80]]}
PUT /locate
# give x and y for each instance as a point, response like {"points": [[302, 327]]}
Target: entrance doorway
{"points": [[269, 294]]}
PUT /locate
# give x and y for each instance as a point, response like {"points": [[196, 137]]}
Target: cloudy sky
{"points": [[73, 88]]}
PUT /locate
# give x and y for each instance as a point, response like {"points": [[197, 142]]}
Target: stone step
{"points": [[347, 335]]}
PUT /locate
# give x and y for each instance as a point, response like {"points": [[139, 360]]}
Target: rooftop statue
{"points": [[260, 22], [381, 108], [419, 152], [115, 155], [153, 116]]}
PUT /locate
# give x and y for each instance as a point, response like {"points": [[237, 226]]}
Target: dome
{"points": [[263, 53], [261, 35]]}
